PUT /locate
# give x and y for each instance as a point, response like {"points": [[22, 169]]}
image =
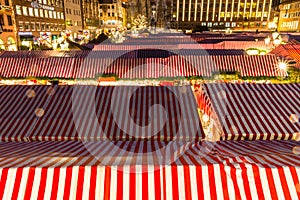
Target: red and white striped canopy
{"points": [[30, 113], [223, 170], [256, 111]]}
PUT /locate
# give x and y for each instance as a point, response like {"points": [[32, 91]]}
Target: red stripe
{"points": [[42, 183], [199, 181], [55, 183], [107, 183], [29, 184], [271, 184], [132, 183], [93, 183], [68, 183], [120, 174], [157, 186], [3, 181], [187, 180], [175, 189], [284, 185], [80, 182]]}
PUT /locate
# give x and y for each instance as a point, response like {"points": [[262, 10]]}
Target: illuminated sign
{"points": [[35, 4]]}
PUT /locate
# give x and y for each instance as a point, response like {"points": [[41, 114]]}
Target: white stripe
{"points": [[139, 181], [86, 182], [10, 183], [264, 183], [193, 179], [126, 183], [277, 183], [231, 191], [290, 182], [100, 182], [49, 181], [113, 183], [218, 181], [181, 185], [251, 180], [23, 183], [205, 181], [151, 186], [168, 182], [36, 183], [61, 183], [74, 180]]}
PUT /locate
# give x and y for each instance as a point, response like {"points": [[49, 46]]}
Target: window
{"points": [[58, 15], [54, 14], [50, 14], [9, 20], [209, 24], [233, 24], [108, 14], [112, 7], [32, 25], [18, 10], [46, 13], [6, 2], [36, 12], [25, 10], [27, 27], [227, 24], [47, 27], [42, 27], [30, 11], [41, 13], [62, 15], [37, 26], [21, 26]]}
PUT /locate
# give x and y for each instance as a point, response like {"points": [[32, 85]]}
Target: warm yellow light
{"points": [[282, 65]]}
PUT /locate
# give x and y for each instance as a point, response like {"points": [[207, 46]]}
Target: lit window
{"points": [[54, 14], [50, 14], [36, 12], [233, 24], [58, 15], [46, 13], [41, 13], [209, 24], [62, 15], [21, 26], [18, 10], [25, 10], [30, 11], [227, 24], [45, 1]]}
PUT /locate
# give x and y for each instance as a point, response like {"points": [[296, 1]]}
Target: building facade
{"points": [[8, 40], [90, 17], [112, 14], [222, 14], [74, 24], [289, 19], [39, 21]]}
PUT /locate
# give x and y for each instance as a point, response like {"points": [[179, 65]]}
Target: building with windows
{"points": [[90, 17], [289, 19], [8, 36], [39, 21], [221, 14], [74, 25], [112, 14]]}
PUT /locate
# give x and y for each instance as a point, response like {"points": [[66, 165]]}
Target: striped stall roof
{"points": [[223, 170], [288, 51], [256, 111], [137, 64], [30, 113]]}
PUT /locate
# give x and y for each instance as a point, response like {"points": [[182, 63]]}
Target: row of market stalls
{"points": [[132, 64], [162, 153], [200, 141]]}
